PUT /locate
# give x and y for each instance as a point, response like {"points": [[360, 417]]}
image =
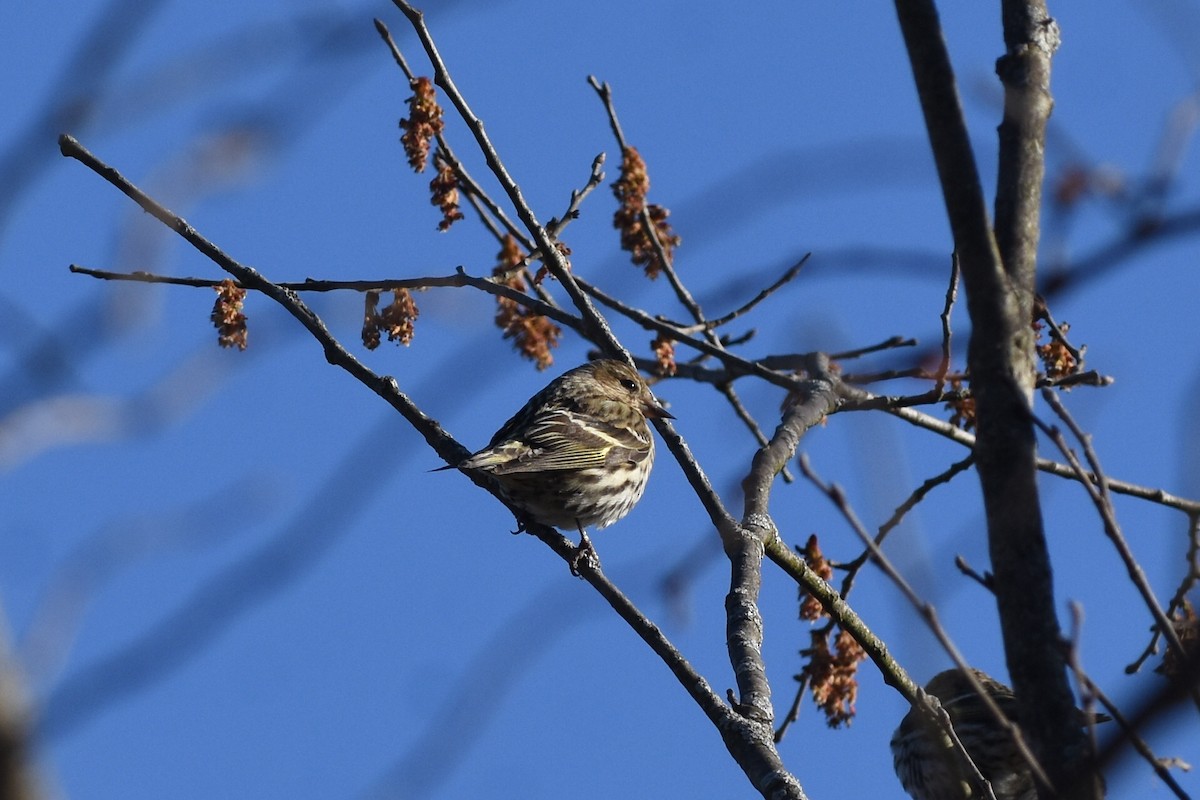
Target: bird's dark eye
{"points": [[629, 386]]}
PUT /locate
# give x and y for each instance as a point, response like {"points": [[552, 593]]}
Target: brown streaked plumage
{"points": [[578, 454], [922, 754]]}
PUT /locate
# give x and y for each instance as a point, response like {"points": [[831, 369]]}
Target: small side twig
{"points": [[749, 305], [939, 380], [984, 580], [793, 713], [853, 567]]}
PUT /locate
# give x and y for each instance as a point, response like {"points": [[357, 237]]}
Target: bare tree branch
{"points": [[1001, 363]]}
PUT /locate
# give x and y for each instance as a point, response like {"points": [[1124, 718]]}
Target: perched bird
{"points": [[579, 452], [922, 754]]}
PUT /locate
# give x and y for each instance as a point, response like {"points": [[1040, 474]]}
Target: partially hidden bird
{"points": [[922, 753]]}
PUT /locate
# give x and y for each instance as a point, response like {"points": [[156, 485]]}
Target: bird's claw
{"points": [[584, 552]]}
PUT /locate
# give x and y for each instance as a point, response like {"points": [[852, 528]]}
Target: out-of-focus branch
{"points": [[1136, 742], [18, 779], [70, 102], [116, 546], [1087, 269]]}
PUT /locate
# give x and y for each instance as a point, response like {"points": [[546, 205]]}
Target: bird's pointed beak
{"points": [[654, 410]]}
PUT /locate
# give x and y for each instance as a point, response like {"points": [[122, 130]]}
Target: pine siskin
{"points": [[922, 755], [579, 452]]}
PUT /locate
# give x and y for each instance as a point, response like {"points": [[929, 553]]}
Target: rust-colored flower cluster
{"points": [[810, 607], [664, 351], [424, 122], [631, 190], [963, 408], [1057, 359], [832, 675], [533, 335], [396, 319], [227, 315], [444, 190]]}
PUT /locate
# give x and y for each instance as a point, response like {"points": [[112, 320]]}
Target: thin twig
{"points": [[579, 195], [939, 380], [793, 361], [1042, 312], [605, 93], [1086, 695], [852, 568], [743, 413], [459, 279], [1097, 486], [647, 321], [750, 305], [472, 189], [793, 713], [984, 580]]}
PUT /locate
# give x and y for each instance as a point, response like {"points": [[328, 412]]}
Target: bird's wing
{"points": [[560, 439], [968, 708]]}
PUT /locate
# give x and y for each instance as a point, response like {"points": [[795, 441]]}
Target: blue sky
{"points": [[233, 575]]}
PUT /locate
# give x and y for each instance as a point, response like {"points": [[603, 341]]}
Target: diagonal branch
{"points": [[754, 752]]}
